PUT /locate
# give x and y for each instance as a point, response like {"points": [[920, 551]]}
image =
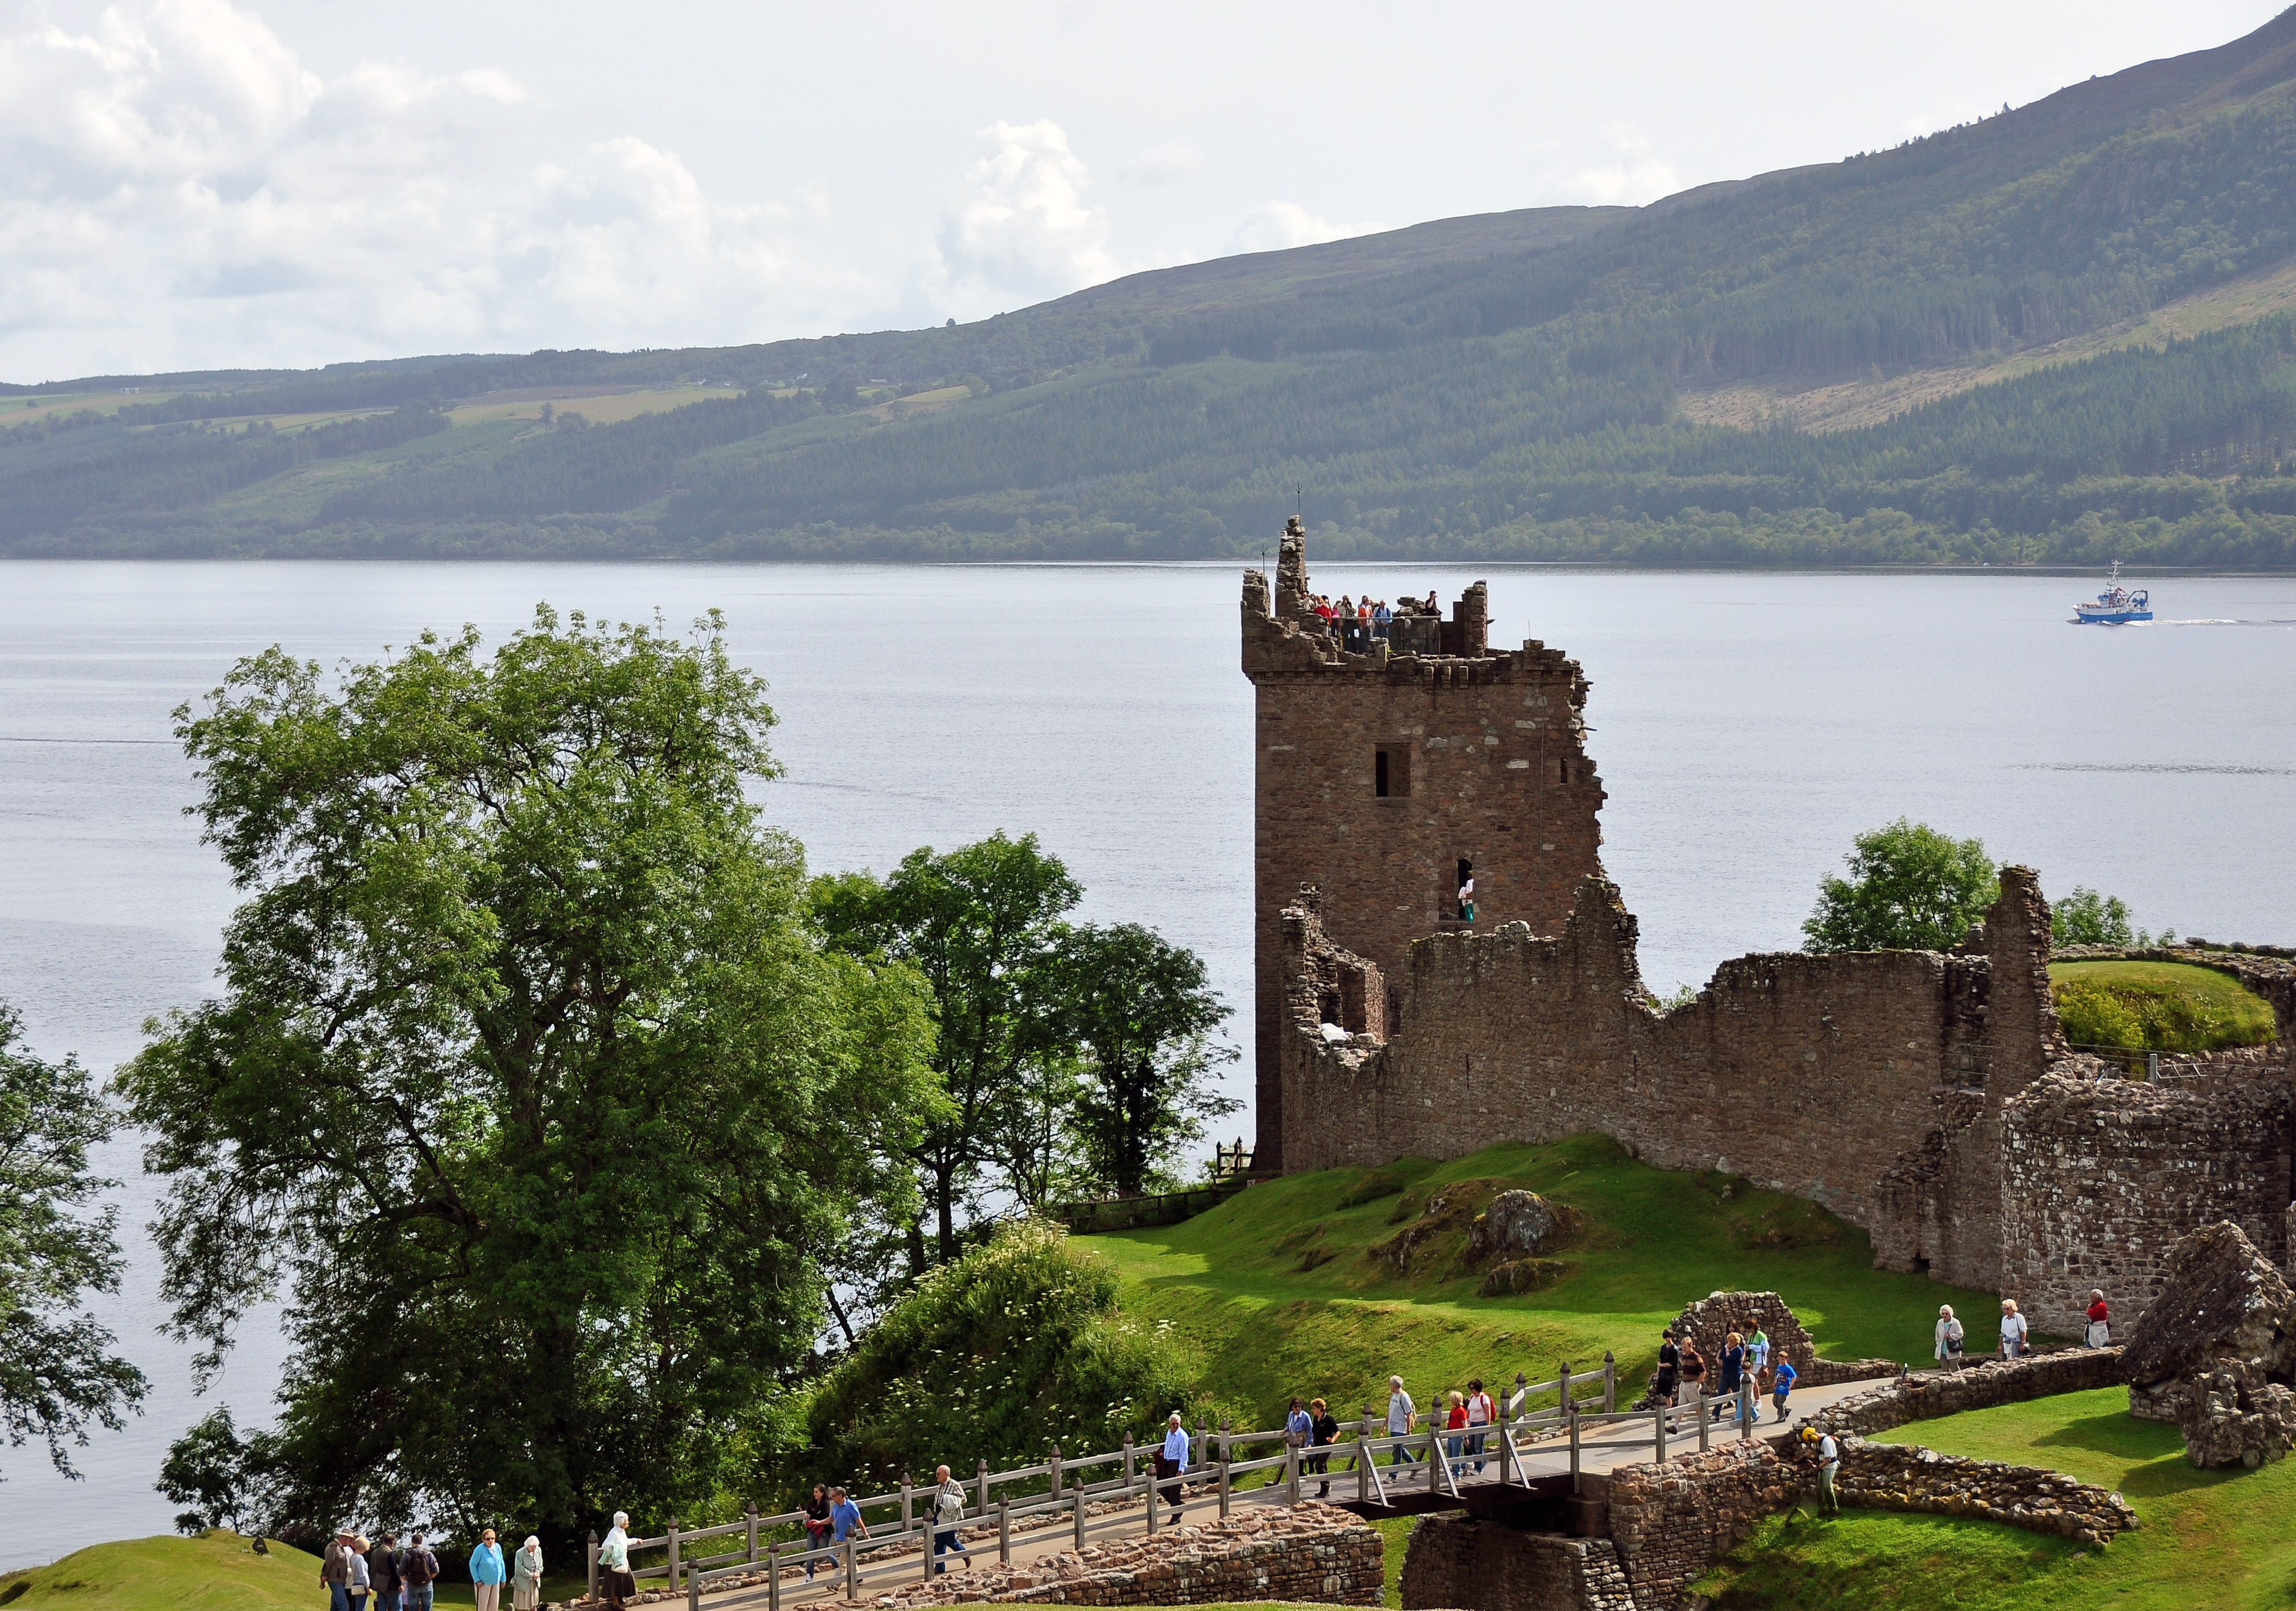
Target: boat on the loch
{"points": [[2116, 605]]}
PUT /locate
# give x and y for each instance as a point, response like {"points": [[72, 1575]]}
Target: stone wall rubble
{"points": [[1907, 1477], [1306, 1552], [1931, 1394]]}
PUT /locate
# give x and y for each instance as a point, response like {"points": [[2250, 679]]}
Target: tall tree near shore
{"points": [[58, 1374], [1142, 1011], [532, 1089], [983, 925], [1910, 888]]}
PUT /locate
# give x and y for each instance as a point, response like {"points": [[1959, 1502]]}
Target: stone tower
{"points": [[1386, 768]]}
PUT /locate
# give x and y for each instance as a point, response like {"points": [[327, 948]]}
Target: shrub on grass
{"points": [[2159, 1008], [1016, 1346]]}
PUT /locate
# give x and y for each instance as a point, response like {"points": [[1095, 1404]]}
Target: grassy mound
{"points": [[1296, 1286], [2214, 1538], [2160, 1007], [219, 1572]]}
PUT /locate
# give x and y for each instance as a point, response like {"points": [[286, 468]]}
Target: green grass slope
{"points": [[1279, 1290], [2217, 1540], [2163, 1007], [219, 1572]]}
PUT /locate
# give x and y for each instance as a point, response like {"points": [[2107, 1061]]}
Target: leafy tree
{"points": [[57, 1372], [530, 1086], [217, 1473], [1017, 1345], [1910, 888], [1144, 1012], [982, 925], [2086, 918]]}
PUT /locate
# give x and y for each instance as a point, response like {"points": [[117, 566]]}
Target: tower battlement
{"points": [[1393, 763]]}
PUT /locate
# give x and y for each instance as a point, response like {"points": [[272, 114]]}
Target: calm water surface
{"points": [[1745, 726]]}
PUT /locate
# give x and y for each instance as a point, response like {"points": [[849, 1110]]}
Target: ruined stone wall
{"points": [[1870, 1083], [1484, 1565], [1304, 1552], [1908, 1478], [1486, 762], [1711, 1319], [2101, 1175], [1927, 1396], [1670, 1522]]}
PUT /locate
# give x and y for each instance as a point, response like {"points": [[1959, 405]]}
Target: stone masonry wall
{"points": [[1927, 1396], [1870, 1083], [1671, 1522], [2101, 1175], [1907, 1477], [1480, 1566], [1486, 762], [1712, 1318], [1307, 1553]]}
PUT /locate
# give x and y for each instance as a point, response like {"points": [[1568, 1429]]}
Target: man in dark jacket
{"points": [[382, 1562]]}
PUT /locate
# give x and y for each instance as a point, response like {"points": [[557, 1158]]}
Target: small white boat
{"points": [[2116, 605]]}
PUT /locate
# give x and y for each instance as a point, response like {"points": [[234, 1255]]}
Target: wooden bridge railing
{"points": [[769, 1544]]}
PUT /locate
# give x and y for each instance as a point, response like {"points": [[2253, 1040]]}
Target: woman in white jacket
{"points": [[1948, 1338]]}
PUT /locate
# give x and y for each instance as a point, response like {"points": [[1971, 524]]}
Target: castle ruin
{"points": [[1928, 1099]]}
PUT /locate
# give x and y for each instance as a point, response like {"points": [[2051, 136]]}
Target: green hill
{"points": [[2059, 333], [219, 1572], [1325, 1283]]}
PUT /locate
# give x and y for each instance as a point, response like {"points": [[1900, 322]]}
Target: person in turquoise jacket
{"points": [[486, 1573]]}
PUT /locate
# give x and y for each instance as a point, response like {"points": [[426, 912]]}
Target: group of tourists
{"points": [[1378, 612], [1950, 1339], [1732, 1386], [352, 1568]]}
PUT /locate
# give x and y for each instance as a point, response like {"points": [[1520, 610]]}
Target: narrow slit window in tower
{"points": [[1391, 772]]}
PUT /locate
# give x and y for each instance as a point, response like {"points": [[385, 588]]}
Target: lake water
{"points": [[1745, 726]]}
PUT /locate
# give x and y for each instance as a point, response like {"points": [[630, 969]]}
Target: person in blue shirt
{"points": [[1298, 1425], [844, 1516], [1783, 1385], [486, 1573], [1172, 1459]]}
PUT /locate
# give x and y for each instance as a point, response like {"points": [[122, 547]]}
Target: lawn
{"points": [[217, 1572], [1275, 1292], [2158, 1006], [2210, 1539]]}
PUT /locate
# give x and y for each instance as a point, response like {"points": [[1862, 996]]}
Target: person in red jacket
{"points": [[2100, 1330]]}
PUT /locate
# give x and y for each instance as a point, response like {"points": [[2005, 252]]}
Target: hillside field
{"points": [[1277, 1292]]}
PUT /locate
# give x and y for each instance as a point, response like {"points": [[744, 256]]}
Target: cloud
{"points": [[177, 188], [1021, 227], [1275, 225], [1632, 177], [1165, 163]]}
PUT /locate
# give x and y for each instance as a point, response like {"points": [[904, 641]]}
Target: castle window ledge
{"points": [[1517, 766]]}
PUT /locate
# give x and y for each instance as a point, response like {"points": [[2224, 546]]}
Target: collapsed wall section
{"points": [[2102, 1175], [1870, 1082]]}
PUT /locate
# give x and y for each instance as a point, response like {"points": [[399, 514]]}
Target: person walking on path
{"points": [[2014, 1332], [1781, 1383], [526, 1576], [1322, 1432], [1670, 1370], [1172, 1461], [1402, 1419], [948, 1515], [1454, 1419], [816, 1525], [418, 1570], [334, 1570], [1829, 1462], [358, 1579], [1949, 1338], [1757, 1359], [1733, 1371], [844, 1517], [613, 1561], [382, 1567], [2100, 1321], [1480, 1414], [487, 1573], [1693, 1376]]}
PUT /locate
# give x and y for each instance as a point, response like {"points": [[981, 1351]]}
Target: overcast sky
{"points": [[197, 182]]}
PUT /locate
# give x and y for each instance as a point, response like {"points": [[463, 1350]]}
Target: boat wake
{"points": [[2153, 766]]}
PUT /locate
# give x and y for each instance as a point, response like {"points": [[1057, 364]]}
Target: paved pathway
{"points": [[884, 1573]]}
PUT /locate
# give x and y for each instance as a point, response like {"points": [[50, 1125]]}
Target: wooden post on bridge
{"points": [[983, 1511], [1363, 1452], [1055, 1462], [694, 1591], [774, 1576], [592, 1551], [1434, 1450], [907, 1493], [753, 1533], [1290, 1472], [1223, 1457], [1566, 1386], [852, 1569], [1609, 1383], [1574, 1454], [1129, 1453], [1702, 1422], [673, 1555], [1004, 1533], [1658, 1419], [1077, 1505]]}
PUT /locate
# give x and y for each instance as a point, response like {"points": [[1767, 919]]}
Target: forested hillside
{"points": [[2082, 297]]}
